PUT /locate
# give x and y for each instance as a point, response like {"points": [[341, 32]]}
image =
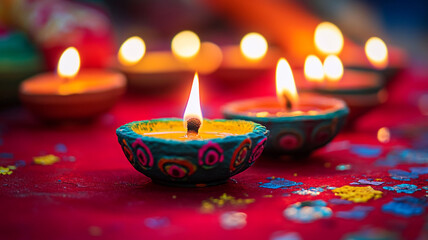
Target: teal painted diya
{"points": [[298, 124], [207, 153]]}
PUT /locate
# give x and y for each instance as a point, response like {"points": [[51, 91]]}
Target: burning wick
{"points": [[193, 125], [287, 104], [192, 118]]}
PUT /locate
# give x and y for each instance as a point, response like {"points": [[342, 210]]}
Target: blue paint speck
{"points": [[406, 206], [279, 183], [419, 170], [358, 212], [20, 163], [364, 181], [338, 201], [403, 188], [366, 150], [61, 148], [402, 175], [156, 222], [308, 211], [6, 155]]}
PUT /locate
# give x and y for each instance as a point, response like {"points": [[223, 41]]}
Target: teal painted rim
{"points": [[126, 131], [230, 114]]}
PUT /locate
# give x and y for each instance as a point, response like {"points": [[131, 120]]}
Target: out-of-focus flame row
{"points": [[328, 39], [187, 47]]}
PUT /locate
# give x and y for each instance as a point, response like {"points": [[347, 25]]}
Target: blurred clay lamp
{"points": [[251, 58], [191, 151], [299, 123], [165, 67], [361, 90], [71, 94]]}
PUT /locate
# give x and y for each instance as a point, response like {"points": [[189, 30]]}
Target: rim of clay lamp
{"points": [[335, 108], [127, 130]]}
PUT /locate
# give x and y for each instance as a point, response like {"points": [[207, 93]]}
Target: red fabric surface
{"points": [[101, 194]]}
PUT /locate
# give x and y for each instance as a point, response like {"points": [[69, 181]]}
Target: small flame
{"points": [[333, 68], [383, 135], [313, 69], [377, 52], [328, 38], [131, 51], [193, 107], [185, 44], [254, 46], [69, 63], [285, 86]]}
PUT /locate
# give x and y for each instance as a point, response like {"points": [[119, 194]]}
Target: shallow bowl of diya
{"points": [[72, 94], [298, 123], [162, 150]]}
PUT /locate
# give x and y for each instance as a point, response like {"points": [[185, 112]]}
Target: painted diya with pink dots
{"points": [[298, 124], [198, 153]]}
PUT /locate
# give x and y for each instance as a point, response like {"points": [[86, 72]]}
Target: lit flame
{"points": [[254, 46], [131, 51], [333, 68], [377, 52], [69, 63], [193, 107], [313, 69], [185, 44], [285, 87], [328, 38], [383, 135]]}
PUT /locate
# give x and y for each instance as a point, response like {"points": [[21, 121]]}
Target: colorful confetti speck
{"points": [[358, 213], [343, 167], [5, 171], [308, 211], [366, 181], [60, 148], [6, 155], [366, 150], [338, 201], [406, 206], [210, 204], [156, 222], [276, 183], [46, 160], [403, 188], [313, 191], [357, 194], [419, 170], [233, 220], [281, 235], [372, 234], [398, 174], [20, 163]]}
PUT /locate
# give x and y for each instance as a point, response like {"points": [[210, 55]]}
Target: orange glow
{"points": [[254, 46], [193, 107], [328, 38], [377, 52], [383, 135], [69, 63], [285, 85], [313, 69], [333, 68], [131, 51], [185, 44]]}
